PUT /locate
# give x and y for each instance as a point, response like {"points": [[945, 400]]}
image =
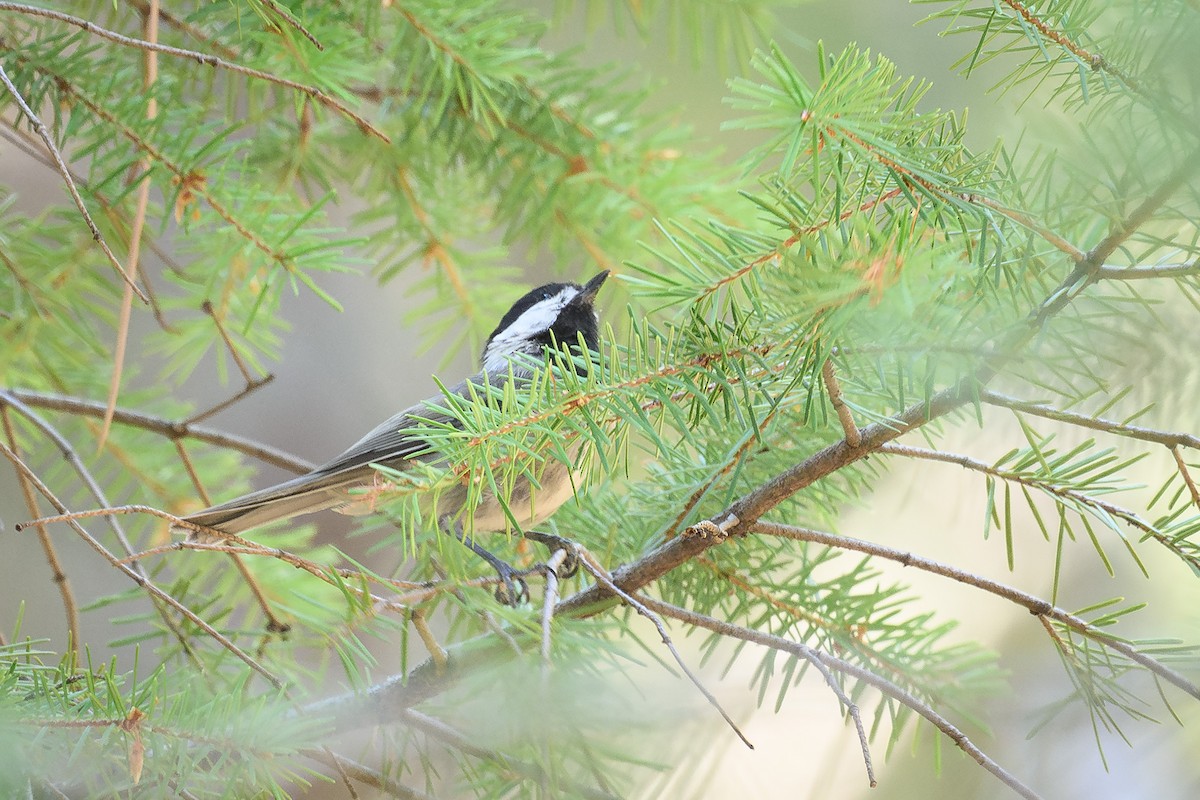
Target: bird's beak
{"points": [[593, 286]]}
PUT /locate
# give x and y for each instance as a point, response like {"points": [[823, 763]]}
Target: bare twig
{"points": [[436, 652], [1187, 475], [274, 624], [150, 61], [164, 427], [61, 165], [548, 601], [1107, 273], [138, 578], [57, 573], [601, 575], [849, 427], [853, 670], [1023, 219], [1035, 605], [203, 58], [248, 389], [187, 29], [1165, 438]]}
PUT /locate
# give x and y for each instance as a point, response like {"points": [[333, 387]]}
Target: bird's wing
{"points": [[389, 443]]}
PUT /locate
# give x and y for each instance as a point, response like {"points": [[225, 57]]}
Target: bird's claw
{"points": [[512, 590], [570, 564]]}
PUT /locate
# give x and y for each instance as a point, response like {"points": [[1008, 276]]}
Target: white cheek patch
{"points": [[533, 321]]}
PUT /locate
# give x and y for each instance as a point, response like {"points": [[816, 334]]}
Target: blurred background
{"points": [[340, 373]]}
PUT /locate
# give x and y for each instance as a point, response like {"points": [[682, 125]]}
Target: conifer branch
{"points": [[849, 669], [57, 574], [1165, 438], [137, 577], [166, 428], [1035, 605], [1094, 60], [1061, 493], [313, 92], [61, 165]]}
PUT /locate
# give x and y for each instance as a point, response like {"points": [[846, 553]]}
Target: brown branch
{"points": [[1025, 220], [57, 574], [203, 58], [853, 670], [1107, 273], [61, 165], [849, 427], [150, 61], [1165, 438], [1187, 476], [1035, 605], [165, 428], [1093, 60]]}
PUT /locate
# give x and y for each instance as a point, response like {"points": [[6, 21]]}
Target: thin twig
{"points": [[274, 624], [57, 574], [293, 22], [10, 399], [1025, 220], [140, 171], [164, 427], [849, 427], [231, 543], [341, 771], [1035, 605], [438, 653], [1165, 438], [207, 308], [601, 575], [137, 577], [853, 670], [1107, 273], [551, 597], [204, 58], [61, 165], [248, 389], [1187, 475], [1065, 493]]}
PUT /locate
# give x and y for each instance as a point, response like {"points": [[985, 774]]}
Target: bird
{"points": [[552, 316]]}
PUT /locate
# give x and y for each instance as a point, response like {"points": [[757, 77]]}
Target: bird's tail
{"points": [[302, 495]]}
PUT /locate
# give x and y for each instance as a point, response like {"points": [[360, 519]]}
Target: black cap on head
{"points": [[571, 318]]}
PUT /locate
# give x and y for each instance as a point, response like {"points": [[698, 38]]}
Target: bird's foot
{"points": [[570, 564]]}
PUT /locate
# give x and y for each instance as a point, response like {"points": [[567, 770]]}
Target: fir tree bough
{"points": [[864, 296]]}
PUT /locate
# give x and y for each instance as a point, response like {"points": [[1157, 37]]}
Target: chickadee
{"points": [[554, 315]]}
